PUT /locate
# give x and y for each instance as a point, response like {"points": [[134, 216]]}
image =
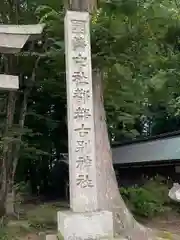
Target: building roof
{"points": [[161, 148], [152, 150]]}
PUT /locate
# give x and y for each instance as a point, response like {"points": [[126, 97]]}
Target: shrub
{"points": [[22, 191], [148, 200]]}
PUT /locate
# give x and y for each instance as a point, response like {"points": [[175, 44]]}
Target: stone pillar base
{"points": [[83, 226]]}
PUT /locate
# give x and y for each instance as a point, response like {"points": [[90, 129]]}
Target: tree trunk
{"points": [[10, 196], [4, 161], [81, 5], [109, 195], [4, 182]]}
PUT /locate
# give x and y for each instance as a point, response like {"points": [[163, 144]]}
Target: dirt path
{"points": [[168, 224]]}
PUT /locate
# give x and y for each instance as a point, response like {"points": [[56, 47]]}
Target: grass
{"points": [[37, 220], [40, 220], [167, 236]]}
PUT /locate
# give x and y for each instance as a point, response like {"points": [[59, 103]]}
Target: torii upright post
{"points": [[85, 221]]}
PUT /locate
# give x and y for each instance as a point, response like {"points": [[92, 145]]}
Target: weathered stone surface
{"points": [[86, 221], [51, 237], [80, 226], [9, 82], [13, 37], [82, 155], [174, 192]]}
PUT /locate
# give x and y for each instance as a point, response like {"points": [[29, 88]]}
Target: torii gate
{"points": [[12, 40]]}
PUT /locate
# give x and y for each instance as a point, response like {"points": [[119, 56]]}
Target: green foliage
{"points": [[149, 200], [22, 191], [5, 236], [135, 44], [45, 225]]}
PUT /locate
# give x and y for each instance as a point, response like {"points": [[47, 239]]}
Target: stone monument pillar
{"points": [[83, 187], [85, 221]]}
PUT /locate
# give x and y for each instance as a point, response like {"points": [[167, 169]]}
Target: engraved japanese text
{"points": [[83, 131], [82, 113], [81, 95], [84, 162], [84, 181]]}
